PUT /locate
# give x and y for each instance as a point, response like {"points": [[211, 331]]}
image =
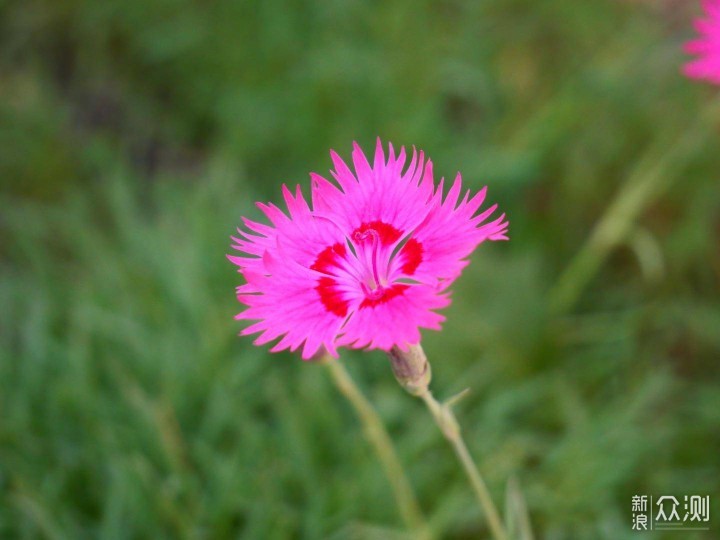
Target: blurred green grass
{"points": [[134, 134]]}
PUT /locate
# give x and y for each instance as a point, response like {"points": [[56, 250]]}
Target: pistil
{"points": [[375, 288]]}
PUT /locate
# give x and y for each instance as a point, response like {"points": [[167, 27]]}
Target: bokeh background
{"points": [[133, 136]]}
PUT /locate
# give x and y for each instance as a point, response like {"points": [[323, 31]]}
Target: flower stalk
{"points": [[378, 437], [412, 371]]}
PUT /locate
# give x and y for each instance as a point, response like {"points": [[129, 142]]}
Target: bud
{"points": [[411, 369]]}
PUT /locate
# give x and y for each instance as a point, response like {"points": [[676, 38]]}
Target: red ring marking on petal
{"points": [[331, 297], [388, 294], [329, 257], [386, 232], [413, 252]]}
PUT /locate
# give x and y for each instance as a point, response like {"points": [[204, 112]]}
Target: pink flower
{"points": [[707, 47], [368, 264]]}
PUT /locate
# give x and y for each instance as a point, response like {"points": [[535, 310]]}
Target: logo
{"points": [[667, 513]]}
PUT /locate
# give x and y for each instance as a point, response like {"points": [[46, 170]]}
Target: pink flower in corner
{"points": [[707, 46], [368, 264]]}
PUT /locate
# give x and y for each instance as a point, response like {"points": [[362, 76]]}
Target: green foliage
{"points": [[134, 134]]}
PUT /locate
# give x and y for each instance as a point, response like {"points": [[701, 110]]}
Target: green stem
{"points": [[651, 176], [448, 424], [380, 440]]}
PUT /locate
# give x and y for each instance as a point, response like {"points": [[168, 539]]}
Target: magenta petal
{"points": [[706, 48]]}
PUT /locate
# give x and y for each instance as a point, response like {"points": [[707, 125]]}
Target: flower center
{"points": [[368, 262], [374, 287]]}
